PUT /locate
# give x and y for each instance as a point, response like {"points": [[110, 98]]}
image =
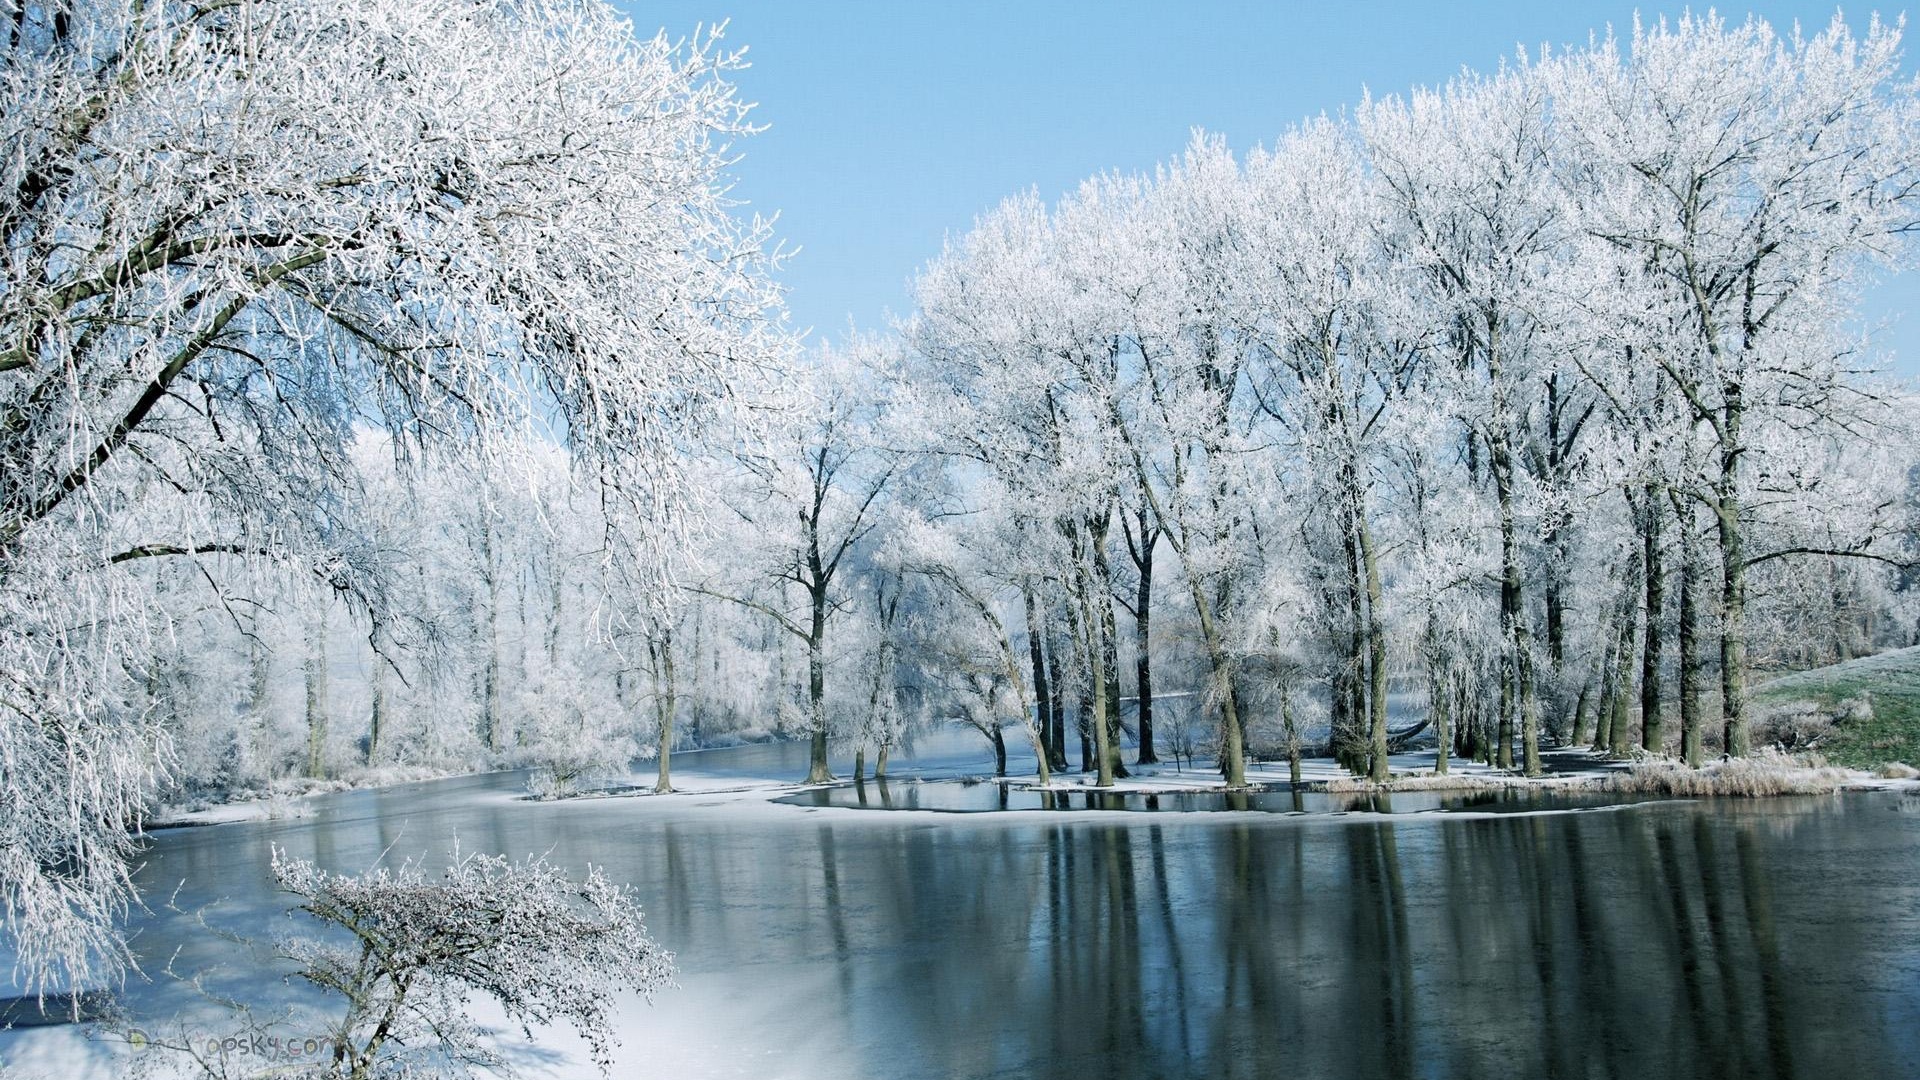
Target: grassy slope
{"points": [[1891, 683]]}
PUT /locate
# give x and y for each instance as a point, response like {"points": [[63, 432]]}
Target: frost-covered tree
{"points": [[808, 498], [234, 235], [1459, 392], [1743, 183]]}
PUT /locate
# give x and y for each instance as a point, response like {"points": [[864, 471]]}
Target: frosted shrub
{"points": [[573, 737], [1794, 726], [545, 948], [1767, 772]]}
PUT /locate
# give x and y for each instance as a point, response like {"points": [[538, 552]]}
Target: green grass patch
{"points": [[1889, 683]]}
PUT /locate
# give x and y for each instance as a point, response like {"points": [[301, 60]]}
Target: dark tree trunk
{"points": [[1518, 704], [1036, 655], [1109, 638], [1140, 547], [1620, 720], [1349, 741], [1057, 749], [1143, 659], [817, 771], [1733, 599], [1692, 663], [1652, 734]]}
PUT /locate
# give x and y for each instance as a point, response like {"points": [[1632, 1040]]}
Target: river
{"points": [[1673, 939]]}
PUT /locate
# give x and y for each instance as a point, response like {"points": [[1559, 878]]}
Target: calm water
{"points": [[1778, 938]]}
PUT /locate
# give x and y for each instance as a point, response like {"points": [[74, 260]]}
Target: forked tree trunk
{"points": [[1518, 700], [1103, 753], [1234, 767]]}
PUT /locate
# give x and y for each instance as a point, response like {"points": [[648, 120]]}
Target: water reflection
{"points": [[1637, 944], [1712, 939], [975, 796]]}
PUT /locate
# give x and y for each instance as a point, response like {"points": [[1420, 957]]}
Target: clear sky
{"points": [[892, 123]]}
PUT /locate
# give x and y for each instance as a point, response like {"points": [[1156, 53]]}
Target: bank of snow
{"points": [[283, 799]]}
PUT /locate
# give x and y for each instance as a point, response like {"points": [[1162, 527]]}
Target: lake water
{"points": [[1776, 938]]}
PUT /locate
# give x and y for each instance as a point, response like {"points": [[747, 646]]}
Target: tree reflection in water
{"points": [[1773, 939], [1634, 944]]}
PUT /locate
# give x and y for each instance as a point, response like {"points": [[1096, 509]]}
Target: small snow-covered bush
{"points": [[1897, 770], [572, 736], [545, 948]]}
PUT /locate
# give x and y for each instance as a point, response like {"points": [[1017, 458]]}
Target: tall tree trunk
{"points": [[1340, 731], [1234, 767], [1437, 694], [1376, 647], [1580, 714], [1562, 431], [698, 668], [1652, 733], [817, 771], [1349, 741], [556, 593], [1619, 722], [1036, 656], [1290, 727], [999, 751], [1692, 664], [666, 704], [1733, 583], [490, 692], [260, 694], [1143, 656], [382, 710], [1097, 679], [1057, 750], [1141, 550], [1108, 653], [317, 693], [1517, 694], [1082, 683], [1603, 718]]}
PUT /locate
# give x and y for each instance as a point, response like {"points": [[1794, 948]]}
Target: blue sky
{"points": [[891, 124]]}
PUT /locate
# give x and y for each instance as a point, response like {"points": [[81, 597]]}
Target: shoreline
{"points": [[1574, 772]]}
